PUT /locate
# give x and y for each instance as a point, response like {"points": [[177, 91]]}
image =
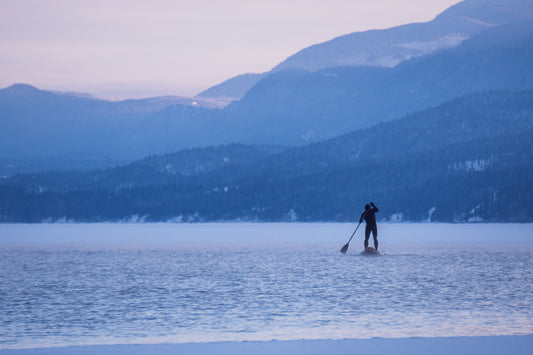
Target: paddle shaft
{"points": [[356, 228], [345, 247]]}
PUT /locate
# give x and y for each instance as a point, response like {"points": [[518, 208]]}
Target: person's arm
{"points": [[362, 216], [374, 207]]}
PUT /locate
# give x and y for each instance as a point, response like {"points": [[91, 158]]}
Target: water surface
{"points": [[106, 284]]}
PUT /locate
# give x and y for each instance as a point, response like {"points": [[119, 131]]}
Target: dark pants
{"points": [[374, 229]]}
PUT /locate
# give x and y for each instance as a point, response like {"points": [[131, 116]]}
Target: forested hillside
{"points": [[470, 159]]}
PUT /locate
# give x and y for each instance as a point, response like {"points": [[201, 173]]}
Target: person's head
{"points": [[367, 207]]}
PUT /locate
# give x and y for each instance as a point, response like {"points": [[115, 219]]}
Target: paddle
{"points": [[345, 247]]}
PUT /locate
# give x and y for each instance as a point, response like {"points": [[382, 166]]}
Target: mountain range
{"points": [[289, 107], [300, 106], [443, 134], [467, 160], [389, 47]]}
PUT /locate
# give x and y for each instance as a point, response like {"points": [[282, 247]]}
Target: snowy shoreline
{"points": [[486, 345]]}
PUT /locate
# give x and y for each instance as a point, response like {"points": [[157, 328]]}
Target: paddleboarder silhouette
{"points": [[369, 215]]}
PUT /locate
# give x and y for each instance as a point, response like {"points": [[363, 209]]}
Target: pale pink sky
{"points": [[119, 49]]}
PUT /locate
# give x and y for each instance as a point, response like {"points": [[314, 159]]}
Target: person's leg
{"points": [[367, 235], [375, 235]]}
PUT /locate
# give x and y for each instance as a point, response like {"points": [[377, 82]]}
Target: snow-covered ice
{"points": [[497, 345]]}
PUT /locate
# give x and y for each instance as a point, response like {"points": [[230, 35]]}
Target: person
{"points": [[369, 215]]}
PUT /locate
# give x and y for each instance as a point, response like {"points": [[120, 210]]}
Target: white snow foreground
{"points": [[491, 345]]}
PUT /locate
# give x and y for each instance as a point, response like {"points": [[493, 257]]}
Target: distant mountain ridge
{"points": [[39, 124], [389, 47], [234, 88], [289, 107], [146, 105], [286, 107], [300, 106]]}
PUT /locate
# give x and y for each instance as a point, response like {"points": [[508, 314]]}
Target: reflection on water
{"points": [[83, 296]]}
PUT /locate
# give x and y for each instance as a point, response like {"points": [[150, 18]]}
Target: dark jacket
{"points": [[369, 216]]}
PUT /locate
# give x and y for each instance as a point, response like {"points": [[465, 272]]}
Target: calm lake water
{"points": [[78, 284]]}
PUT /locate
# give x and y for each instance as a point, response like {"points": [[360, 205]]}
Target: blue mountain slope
{"points": [[294, 106], [235, 87], [38, 124], [287, 107], [391, 46]]}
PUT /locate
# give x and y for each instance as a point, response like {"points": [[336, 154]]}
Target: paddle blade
{"points": [[344, 249]]}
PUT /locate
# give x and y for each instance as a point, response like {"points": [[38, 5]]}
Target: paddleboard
{"points": [[370, 252]]}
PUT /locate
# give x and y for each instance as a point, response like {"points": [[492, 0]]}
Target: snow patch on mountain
{"points": [[478, 165], [397, 53]]}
